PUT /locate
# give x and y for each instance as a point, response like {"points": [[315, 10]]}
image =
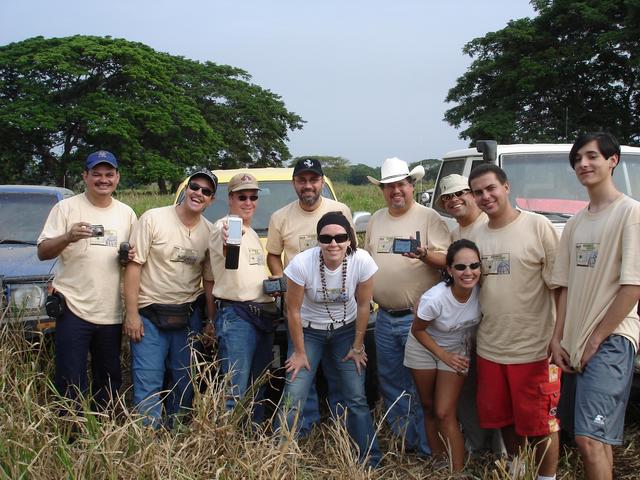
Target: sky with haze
{"points": [[369, 77]]}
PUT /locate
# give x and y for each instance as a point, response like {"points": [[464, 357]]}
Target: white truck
{"points": [[540, 176]]}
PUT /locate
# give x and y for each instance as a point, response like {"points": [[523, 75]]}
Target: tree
{"points": [[431, 167], [336, 168], [359, 172], [574, 67], [162, 115]]}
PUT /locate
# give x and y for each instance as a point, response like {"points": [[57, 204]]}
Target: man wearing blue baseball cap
{"points": [[85, 232]]}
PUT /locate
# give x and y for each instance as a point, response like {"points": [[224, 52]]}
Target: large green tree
{"points": [[574, 67], [162, 115]]}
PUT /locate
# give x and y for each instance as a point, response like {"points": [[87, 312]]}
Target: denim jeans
{"points": [[395, 383], [75, 339], [246, 351], [337, 344], [161, 369], [310, 415]]}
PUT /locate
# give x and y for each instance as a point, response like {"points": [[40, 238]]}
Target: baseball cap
{"points": [[209, 175], [101, 156], [242, 181], [307, 165]]}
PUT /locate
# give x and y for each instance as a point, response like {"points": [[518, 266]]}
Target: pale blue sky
{"points": [[369, 77]]}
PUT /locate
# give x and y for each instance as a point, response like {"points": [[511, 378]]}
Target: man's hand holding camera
{"points": [[79, 231]]}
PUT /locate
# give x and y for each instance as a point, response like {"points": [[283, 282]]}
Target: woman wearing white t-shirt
{"points": [[437, 350], [329, 290]]}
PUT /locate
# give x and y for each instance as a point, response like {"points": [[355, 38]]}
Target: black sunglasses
{"points": [[243, 198], [461, 267], [194, 187], [339, 238], [449, 196]]}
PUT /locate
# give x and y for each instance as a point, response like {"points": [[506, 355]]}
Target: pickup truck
{"points": [[24, 279]]}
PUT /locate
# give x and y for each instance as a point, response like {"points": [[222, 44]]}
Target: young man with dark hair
{"points": [[597, 329], [518, 389]]}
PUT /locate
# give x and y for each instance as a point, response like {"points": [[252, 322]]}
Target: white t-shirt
{"points": [[304, 270], [451, 321]]}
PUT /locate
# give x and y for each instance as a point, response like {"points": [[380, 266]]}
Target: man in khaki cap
{"points": [[456, 199], [245, 317], [398, 285]]}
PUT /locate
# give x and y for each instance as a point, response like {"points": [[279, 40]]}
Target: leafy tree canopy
{"points": [[359, 172], [573, 68], [162, 115]]}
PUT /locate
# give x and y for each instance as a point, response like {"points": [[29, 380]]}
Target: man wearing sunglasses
{"points": [[292, 230], [456, 199], [518, 390], [397, 287], [244, 323], [165, 299]]}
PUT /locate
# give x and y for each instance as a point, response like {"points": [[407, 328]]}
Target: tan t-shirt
{"points": [[593, 265], [88, 272], [515, 297], [174, 258], [245, 283], [400, 281], [293, 230], [469, 231]]}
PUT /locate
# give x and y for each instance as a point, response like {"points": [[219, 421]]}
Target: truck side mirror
{"points": [[489, 150]]}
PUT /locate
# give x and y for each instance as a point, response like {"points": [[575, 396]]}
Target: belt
{"points": [[325, 326], [399, 313]]}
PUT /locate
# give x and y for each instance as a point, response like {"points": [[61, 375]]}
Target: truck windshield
{"points": [[545, 182], [22, 216], [273, 196]]}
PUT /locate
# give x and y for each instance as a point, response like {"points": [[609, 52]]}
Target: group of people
{"points": [[499, 308]]}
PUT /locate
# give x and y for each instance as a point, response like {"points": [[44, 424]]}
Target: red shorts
{"points": [[524, 395]]}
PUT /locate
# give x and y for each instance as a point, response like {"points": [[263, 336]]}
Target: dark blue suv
{"points": [[24, 279]]}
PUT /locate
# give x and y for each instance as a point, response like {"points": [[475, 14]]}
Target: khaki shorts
{"points": [[419, 358]]}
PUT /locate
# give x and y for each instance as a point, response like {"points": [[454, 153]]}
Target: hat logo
{"points": [[308, 163], [245, 178], [102, 154]]}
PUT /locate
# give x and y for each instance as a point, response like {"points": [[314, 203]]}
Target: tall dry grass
{"points": [[37, 442]]}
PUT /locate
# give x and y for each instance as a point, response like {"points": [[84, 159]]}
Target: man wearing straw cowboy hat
{"points": [[398, 284]]}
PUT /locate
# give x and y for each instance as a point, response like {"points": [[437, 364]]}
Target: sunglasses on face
{"points": [[461, 267], [243, 198], [194, 187], [339, 238], [450, 196]]}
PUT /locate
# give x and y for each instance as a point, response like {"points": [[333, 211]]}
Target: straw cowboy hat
{"points": [[394, 170]]}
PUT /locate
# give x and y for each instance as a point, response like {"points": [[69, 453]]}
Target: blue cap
{"points": [[101, 156]]}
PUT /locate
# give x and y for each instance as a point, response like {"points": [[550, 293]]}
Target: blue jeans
{"points": [[336, 344], [310, 415], [75, 339], [161, 369], [246, 351], [395, 383]]}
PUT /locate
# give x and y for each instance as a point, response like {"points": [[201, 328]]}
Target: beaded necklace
{"points": [[343, 289]]}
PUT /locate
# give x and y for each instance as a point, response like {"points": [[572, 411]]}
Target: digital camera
{"points": [[97, 231], [274, 285], [406, 245]]}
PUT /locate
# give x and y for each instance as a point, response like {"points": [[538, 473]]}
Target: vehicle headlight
{"points": [[29, 296]]}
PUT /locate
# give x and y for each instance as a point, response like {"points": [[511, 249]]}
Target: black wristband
{"points": [[231, 260]]}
